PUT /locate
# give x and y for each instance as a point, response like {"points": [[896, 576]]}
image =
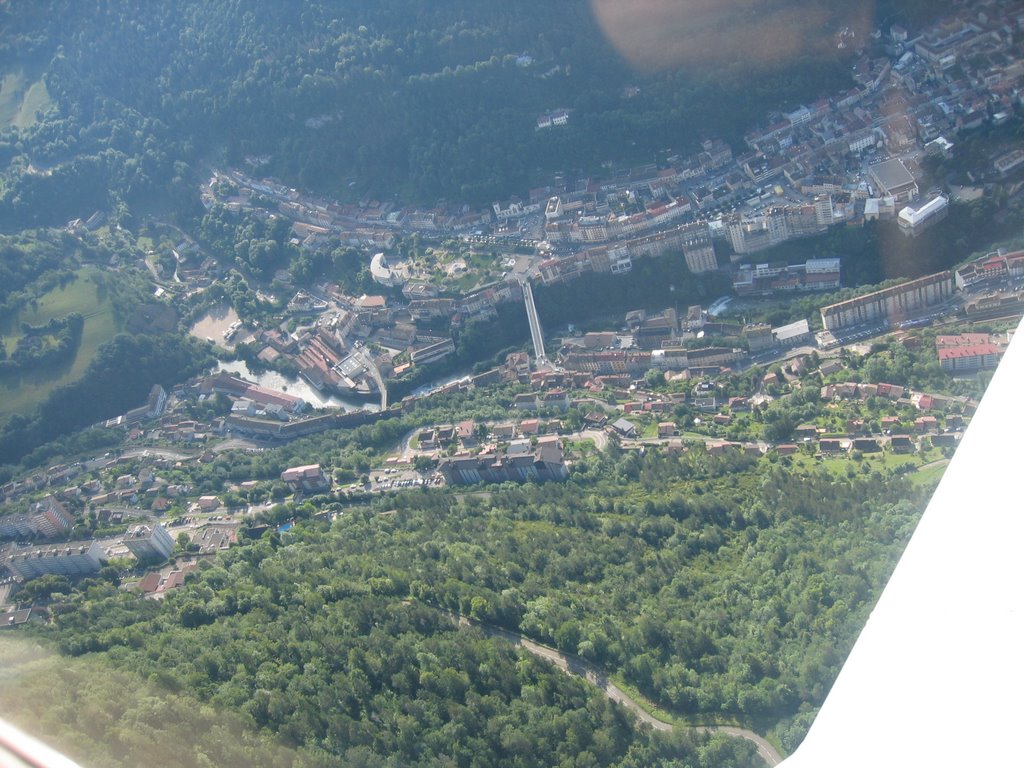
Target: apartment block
{"points": [[149, 541], [73, 559]]}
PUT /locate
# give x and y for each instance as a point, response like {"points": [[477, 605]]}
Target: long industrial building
{"points": [[517, 465], [71, 559], [896, 303]]}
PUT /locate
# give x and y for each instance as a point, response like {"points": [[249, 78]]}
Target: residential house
{"points": [[902, 444], [466, 433], [208, 503], [806, 431], [866, 445], [624, 427], [658, 406], [505, 430], [526, 401], [718, 448], [426, 440], [309, 478], [556, 399]]}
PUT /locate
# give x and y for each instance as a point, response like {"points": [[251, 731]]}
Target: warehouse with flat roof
{"points": [[894, 180]]}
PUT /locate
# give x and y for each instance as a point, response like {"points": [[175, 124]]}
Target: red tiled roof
{"points": [[149, 582], [961, 340], [174, 579], [975, 350]]}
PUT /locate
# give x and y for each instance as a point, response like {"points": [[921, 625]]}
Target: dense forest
{"points": [[717, 586], [423, 99], [26, 258], [45, 345], [399, 685]]}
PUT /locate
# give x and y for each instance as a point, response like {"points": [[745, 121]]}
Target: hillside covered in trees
{"points": [[718, 587], [431, 100]]}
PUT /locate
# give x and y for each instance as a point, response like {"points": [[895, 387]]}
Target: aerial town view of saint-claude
{"points": [[482, 384]]}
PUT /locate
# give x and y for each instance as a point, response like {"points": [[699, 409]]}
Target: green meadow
{"points": [[20, 98], [22, 392]]}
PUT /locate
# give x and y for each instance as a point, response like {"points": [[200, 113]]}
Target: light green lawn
{"points": [[929, 475], [651, 430], [21, 393], [584, 447], [20, 99], [37, 99], [879, 461]]}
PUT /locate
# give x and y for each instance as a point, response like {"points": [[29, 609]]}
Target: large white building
{"points": [[71, 559], [913, 220], [149, 541], [792, 334], [306, 479], [382, 273], [748, 235], [822, 274], [51, 517]]}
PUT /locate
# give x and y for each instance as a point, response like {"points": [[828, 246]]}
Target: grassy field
{"points": [[37, 99], [583, 447], [19, 393], [929, 474], [20, 98], [881, 461]]}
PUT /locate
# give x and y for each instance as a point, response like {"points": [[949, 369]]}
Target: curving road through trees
{"points": [[576, 666]]}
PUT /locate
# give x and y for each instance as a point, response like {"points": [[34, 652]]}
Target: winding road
{"points": [[575, 666]]}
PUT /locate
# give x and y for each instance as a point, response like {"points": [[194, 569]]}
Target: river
{"points": [[298, 387], [436, 384], [302, 388]]}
